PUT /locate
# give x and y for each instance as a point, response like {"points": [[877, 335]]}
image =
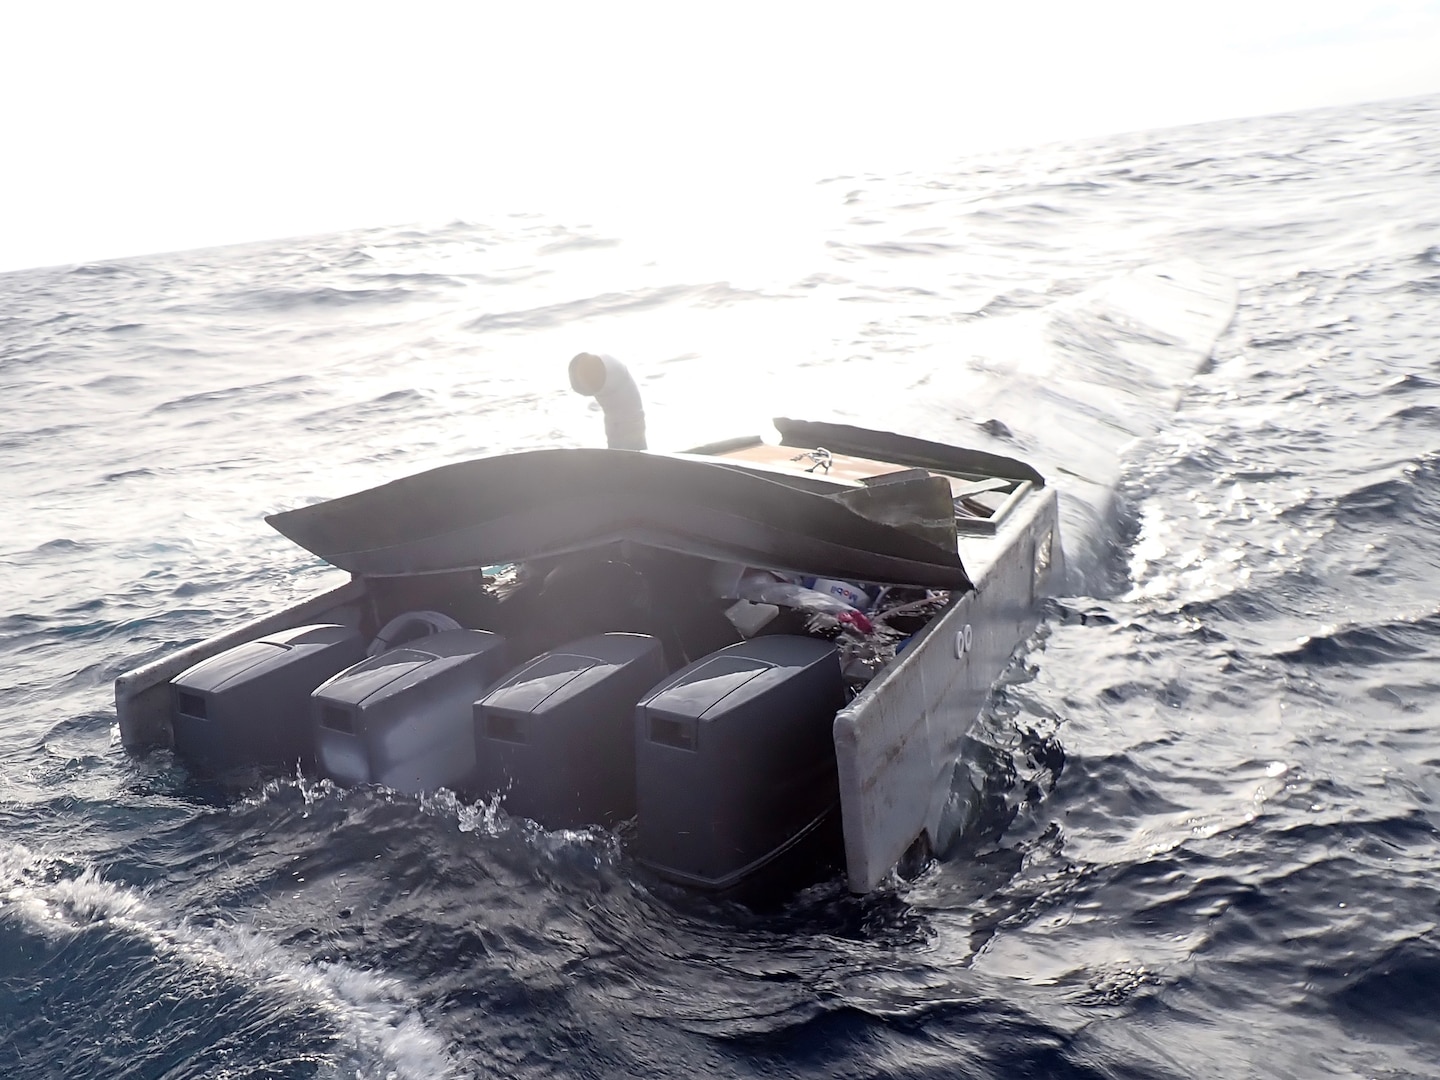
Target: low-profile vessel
{"points": [[752, 650]]}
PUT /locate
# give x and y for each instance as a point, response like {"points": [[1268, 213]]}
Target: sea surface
{"points": [[1210, 841]]}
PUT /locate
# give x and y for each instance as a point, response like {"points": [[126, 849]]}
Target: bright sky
{"points": [[136, 127]]}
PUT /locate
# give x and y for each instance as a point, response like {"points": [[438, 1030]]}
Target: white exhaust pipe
{"points": [[610, 383]]}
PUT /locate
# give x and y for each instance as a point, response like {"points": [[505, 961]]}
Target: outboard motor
{"points": [[250, 705], [403, 718], [610, 383], [557, 735], [735, 760]]}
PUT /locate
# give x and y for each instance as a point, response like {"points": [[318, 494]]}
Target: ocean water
{"points": [[1209, 843]]}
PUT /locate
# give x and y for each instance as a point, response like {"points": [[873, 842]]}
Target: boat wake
{"points": [[367, 1024]]}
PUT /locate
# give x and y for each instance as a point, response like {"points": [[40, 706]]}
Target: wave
{"points": [[1410, 383], [600, 304], [1368, 645], [1419, 415], [1413, 497], [1398, 995], [64, 545], [325, 296]]}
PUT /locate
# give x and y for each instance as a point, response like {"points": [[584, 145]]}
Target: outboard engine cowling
{"points": [[557, 736], [735, 759], [403, 718], [250, 705]]}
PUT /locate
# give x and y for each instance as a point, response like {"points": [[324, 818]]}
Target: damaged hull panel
{"points": [[543, 503]]}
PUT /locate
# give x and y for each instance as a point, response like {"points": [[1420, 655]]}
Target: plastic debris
{"points": [[763, 587]]}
